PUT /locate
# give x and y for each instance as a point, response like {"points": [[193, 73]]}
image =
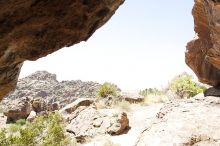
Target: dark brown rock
{"points": [[120, 125], [132, 97], [39, 105], [213, 91], [202, 54], [30, 29], [18, 109]]}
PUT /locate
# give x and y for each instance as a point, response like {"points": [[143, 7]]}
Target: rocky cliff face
{"points": [[30, 29], [203, 53], [44, 85]]}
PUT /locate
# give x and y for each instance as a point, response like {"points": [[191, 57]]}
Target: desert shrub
{"points": [[14, 128], [150, 91], [185, 87], [21, 122], [151, 99], [4, 141], [55, 132], [107, 89], [44, 130]]}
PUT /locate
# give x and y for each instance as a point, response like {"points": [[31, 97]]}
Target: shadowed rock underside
{"points": [[30, 29], [203, 53]]}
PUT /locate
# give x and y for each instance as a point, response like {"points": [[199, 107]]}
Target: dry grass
{"points": [[108, 142], [155, 99], [123, 105], [103, 140]]}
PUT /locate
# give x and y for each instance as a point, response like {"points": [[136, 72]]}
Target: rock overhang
{"points": [[31, 29], [203, 53]]}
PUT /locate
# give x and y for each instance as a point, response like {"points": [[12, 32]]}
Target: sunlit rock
{"points": [[203, 53]]}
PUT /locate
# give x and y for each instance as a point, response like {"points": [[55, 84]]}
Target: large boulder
{"points": [[85, 120], [30, 29], [90, 122], [41, 105], [18, 109], [202, 54]]}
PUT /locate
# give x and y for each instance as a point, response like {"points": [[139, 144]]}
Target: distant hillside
{"points": [[45, 85]]}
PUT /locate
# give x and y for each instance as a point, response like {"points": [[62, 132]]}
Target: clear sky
{"points": [[141, 46]]}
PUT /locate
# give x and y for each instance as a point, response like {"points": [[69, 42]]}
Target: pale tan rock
{"points": [[190, 122], [31, 116], [70, 108], [90, 122]]}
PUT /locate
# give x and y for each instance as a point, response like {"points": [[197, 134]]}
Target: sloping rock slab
{"points": [[193, 122], [70, 108], [90, 122]]}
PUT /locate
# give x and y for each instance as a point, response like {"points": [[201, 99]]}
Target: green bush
{"points": [[14, 128], [107, 89], [44, 131], [150, 91], [21, 122], [185, 87], [55, 132]]}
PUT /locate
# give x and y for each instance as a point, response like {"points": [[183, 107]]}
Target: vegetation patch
{"points": [[107, 89], [44, 131], [185, 87], [150, 91]]}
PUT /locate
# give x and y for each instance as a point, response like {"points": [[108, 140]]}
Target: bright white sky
{"points": [[142, 46]]}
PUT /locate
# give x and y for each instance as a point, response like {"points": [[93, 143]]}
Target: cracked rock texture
{"points": [[44, 85], [191, 122], [203, 53], [30, 29]]}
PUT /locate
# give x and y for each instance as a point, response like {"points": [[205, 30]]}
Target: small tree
{"points": [[184, 86], [107, 89]]}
